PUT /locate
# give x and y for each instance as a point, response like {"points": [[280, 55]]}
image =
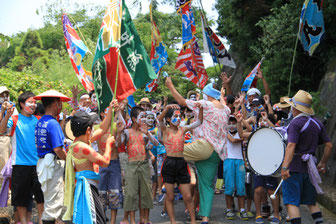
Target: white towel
{"points": [[45, 170]]}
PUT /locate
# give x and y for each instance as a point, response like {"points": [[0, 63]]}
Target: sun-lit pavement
{"points": [[218, 214]]}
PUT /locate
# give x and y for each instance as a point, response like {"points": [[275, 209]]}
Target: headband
{"points": [[210, 91], [82, 96], [300, 103]]}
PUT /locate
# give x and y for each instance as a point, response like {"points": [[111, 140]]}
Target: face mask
{"points": [[141, 118], [176, 118], [205, 97], [2, 100], [94, 99], [150, 120], [193, 97], [232, 128], [30, 108]]}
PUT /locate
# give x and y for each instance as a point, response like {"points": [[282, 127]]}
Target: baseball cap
{"points": [[81, 121]]}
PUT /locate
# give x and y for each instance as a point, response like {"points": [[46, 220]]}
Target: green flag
{"points": [[134, 67]]}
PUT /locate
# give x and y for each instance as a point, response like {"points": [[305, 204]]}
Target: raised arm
{"points": [[222, 97], [268, 104], [4, 121], [177, 96], [198, 122], [86, 151], [104, 126], [265, 84], [226, 82]]}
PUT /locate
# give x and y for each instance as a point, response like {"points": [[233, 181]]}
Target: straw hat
{"points": [[302, 101], [144, 100], [282, 103], [53, 93], [68, 131], [191, 92]]}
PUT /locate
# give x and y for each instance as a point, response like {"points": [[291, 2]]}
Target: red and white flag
{"points": [[190, 62]]}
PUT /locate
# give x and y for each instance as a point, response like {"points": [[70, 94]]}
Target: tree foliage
{"points": [[269, 28]]}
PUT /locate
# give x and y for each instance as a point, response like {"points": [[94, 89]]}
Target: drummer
{"points": [[305, 132]]}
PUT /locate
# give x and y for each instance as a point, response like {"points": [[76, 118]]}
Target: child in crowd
{"points": [[137, 172], [175, 168], [234, 170], [82, 196]]}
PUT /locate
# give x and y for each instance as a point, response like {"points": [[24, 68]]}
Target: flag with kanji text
{"points": [[119, 48], [76, 50]]}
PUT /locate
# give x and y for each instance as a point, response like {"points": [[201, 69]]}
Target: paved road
{"points": [[217, 215]]}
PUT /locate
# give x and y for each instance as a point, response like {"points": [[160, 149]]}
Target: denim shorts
{"points": [[234, 175], [298, 190]]}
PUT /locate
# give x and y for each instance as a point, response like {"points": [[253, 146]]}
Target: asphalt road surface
{"points": [[218, 214]]}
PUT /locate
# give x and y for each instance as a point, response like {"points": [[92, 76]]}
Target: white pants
{"points": [[53, 196]]}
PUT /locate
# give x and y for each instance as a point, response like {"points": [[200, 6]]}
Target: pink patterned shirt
{"points": [[214, 125]]}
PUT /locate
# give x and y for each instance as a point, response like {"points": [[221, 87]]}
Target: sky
{"points": [[20, 15]]}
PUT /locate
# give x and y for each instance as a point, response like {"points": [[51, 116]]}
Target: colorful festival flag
{"points": [[180, 4], [77, 50], [158, 55], [311, 25], [215, 47], [119, 40], [250, 80], [188, 25], [190, 62]]}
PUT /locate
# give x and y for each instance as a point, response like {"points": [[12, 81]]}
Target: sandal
{"points": [[217, 191]]}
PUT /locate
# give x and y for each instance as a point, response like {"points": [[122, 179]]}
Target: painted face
{"points": [[205, 97], [141, 118], [232, 127], [150, 120], [94, 99], [193, 97], [189, 114], [176, 118], [85, 100], [30, 105]]}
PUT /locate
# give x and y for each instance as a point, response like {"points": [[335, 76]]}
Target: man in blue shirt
{"points": [[49, 139], [24, 155]]}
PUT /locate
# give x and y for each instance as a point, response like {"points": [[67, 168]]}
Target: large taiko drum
{"points": [[265, 151]]}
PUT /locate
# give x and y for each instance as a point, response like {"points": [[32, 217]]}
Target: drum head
{"points": [[265, 151]]}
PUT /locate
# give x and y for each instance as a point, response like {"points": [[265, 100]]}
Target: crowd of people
{"points": [[77, 165]]}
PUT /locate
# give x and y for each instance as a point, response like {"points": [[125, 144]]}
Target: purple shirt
{"points": [[306, 140]]}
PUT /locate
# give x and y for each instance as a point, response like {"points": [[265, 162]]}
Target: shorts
{"points": [[298, 190], [159, 160], [25, 183], [138, 183], [268, 182], [234, 174], [175, 170], [110, 188], [100, 214]]}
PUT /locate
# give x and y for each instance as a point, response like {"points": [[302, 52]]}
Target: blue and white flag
{"points": [[311, 25]]}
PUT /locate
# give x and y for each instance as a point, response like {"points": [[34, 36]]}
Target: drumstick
{"points": [[276, 190]]}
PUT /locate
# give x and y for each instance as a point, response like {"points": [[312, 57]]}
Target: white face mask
{"points": [[176, 118], [94, 99], [150, 120], [193, 97], [205, 97], [2, 100], [141, 118]]}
